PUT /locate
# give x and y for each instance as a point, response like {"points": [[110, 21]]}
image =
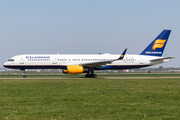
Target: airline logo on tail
{"points": [[156, 47], [122, 56], [159, 43]]}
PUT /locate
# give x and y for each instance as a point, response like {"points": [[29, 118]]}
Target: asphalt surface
{"points": [[96, 78]]}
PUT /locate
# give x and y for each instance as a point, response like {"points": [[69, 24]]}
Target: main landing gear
{"points": [[90, 73], [91, 76], [24, 73]]}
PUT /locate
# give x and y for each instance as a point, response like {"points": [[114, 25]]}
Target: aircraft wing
{"points": [[100, 63], [164, 58]]}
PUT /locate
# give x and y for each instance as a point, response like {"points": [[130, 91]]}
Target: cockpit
{"points": [[11, 60]]}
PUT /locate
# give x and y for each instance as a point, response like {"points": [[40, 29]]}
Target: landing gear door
{"points": [[22, 61]]}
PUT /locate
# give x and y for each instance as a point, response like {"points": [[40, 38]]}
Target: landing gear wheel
{"points": [[23, 73], [94, 76], [87, 75], [91, 76]]}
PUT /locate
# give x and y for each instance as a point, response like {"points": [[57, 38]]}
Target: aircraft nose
{"points": [[5, 64]]}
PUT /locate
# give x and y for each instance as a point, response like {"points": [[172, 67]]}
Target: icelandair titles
{"points": [[149, 52], [33, 57]]}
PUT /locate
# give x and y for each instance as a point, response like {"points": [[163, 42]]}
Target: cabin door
{"points": [[22, 61], [141, 61], [55, 61]]}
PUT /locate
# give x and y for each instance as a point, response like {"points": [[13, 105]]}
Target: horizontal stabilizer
{"points": [[164, 58]]}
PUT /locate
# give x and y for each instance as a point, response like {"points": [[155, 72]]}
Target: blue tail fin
{"points": [[157, 46]]}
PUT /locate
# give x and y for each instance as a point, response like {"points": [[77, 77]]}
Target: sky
{"points": [[87, 27]]}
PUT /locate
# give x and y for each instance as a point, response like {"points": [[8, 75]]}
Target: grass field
{"points": [[96, 99], [55, 75]]}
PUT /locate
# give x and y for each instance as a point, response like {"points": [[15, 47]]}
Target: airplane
{"points": [[87, 63]]}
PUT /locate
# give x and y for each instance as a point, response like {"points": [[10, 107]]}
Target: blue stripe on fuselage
{"points": [[65, 67]]}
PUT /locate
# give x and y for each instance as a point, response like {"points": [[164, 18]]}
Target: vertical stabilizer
{"points": [[157, 46]]}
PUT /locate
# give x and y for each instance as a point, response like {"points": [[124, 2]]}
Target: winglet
{"points": [[122, 55]]}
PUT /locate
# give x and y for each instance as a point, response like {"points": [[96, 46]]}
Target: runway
{"points": [[94, 78]]}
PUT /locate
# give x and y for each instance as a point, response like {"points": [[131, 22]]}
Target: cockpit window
{"points": [[11, 60]]}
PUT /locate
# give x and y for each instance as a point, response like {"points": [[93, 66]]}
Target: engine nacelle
{"points": [[75, 69]]}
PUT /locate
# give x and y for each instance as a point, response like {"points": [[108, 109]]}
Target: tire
{"points": [[94, 76], [90, 76], [86, 75]]}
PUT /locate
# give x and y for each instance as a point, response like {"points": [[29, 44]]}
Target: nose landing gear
{"points": [[24, 73]]}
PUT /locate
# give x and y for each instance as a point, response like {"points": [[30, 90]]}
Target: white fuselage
{"points": [[61, 61]]}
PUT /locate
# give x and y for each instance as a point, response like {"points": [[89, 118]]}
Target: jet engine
{"points": [[75, 69]]}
